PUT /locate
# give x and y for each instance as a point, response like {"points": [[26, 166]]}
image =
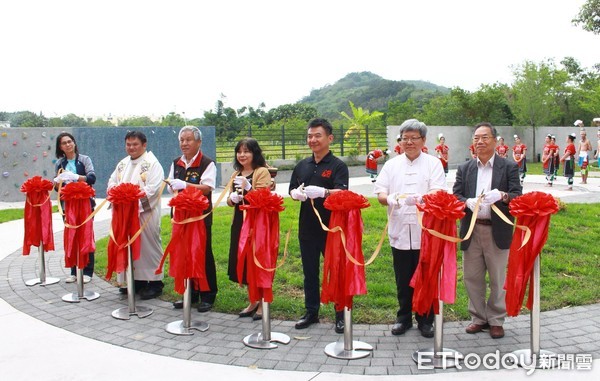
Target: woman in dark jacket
{"points": [[76, 167]]}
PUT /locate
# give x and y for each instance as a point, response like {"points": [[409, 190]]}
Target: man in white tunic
{"points": [[400, 185], [141, 167]]}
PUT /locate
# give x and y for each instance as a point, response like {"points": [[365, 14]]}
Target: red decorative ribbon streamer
{"points": [[343, 278], [38, 214], [125, 226], [259, 243], [438, 255], [187, 249], [533, 210], [79, 230]]}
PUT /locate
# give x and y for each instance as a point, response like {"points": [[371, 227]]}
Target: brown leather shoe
{"points": [[474, 328], [496, 331]]}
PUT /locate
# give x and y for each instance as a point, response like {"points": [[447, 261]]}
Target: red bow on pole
{"points": [[125, 225], [187, 249], [259, 243], [343, 278], [38, 214], [533, 210], [79, 234], [438, 252]]}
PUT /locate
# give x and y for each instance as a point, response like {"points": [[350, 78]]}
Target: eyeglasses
{"points": [[482, 138], [412, 140]]}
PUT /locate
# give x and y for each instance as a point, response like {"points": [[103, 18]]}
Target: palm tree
{"points": [[358, 122]]}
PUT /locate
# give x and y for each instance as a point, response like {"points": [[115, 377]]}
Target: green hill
{"points": [[369, 91]]}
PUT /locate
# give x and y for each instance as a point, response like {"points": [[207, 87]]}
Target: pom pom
{"points": [[443, 205], [124, 193], [77, 191], [37, 184], [346, 200], [263, 198]]}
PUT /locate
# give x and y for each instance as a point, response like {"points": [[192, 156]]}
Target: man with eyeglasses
{"points": [[496, 181], [400, 185]]}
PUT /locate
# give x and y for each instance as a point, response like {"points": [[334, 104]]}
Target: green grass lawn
{"points": [[16, 214], [570, 268]]}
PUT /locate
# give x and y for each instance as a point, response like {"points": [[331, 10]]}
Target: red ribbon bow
{"points": [[259, 241], [78, 240], [187, 249], [533, 210], [342, 279], [38, 214], [438, 256]]}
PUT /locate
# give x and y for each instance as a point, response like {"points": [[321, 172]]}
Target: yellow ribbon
{"points": [[343, 238]]}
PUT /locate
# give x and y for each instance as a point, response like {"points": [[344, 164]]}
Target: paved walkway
{"points": [[48, 339]]}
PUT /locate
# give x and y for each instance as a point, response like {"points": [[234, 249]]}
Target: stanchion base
{"points": [[256, 340], [74, 297], [544, 360], [49, 281], [177, 328], [448, 358], [124, 314], [359, 350]]}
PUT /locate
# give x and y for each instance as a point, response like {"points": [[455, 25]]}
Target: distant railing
{"points": [[290, 144]]}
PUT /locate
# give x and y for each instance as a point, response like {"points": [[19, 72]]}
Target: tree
{"points": [[533, 101], [398, 111], [172, 120], [27, 119], [291, 111], [140, 121], [358, 122], [589, 16], [72, 120]]}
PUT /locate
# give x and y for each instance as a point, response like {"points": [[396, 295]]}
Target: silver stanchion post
{"points": [[266, 339], [541, 358], [185, 326], [438, 356], [42, 280], [81, 293], [348, 349], [124, 313]]}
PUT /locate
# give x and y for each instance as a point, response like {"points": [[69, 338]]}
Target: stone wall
{"points": [[28, 152]]}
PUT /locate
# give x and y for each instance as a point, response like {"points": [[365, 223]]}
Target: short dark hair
{"points": [[488, 125], [258, 160], [59, 152], [320, 122], [136, 135]]}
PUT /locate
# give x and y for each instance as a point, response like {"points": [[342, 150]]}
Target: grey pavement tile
{"points": [[330, 368], [286, 365], [243, 361], [399, 370], [308, 367], [266, 364], [376, 370], [349, 369]]}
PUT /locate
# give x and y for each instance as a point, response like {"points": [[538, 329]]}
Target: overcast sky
{"points": [[153, 57]]}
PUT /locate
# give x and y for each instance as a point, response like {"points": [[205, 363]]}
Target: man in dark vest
{"points": [[197, 170]]}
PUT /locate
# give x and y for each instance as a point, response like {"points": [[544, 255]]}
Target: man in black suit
{"points": [[497, 180]]}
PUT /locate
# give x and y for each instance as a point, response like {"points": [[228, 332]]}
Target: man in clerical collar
{"points": [[141, 167]]}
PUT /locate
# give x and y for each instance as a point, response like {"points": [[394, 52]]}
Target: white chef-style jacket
{"points": [[400, 175]]}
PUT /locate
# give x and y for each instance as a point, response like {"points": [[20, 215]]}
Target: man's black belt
{"points": [[483, 222]]}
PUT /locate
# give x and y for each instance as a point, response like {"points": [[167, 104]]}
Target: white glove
{"points": [[242, 182], [413, 199], [298, 194], [395, 200], [235, 197], [177, 184], [492, 196], [470, 202], [67, 177], [313, 191]]}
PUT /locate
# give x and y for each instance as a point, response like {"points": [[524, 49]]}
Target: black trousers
{"points": [[405, 264], [211, 271], [88, 269], [311, 251]]}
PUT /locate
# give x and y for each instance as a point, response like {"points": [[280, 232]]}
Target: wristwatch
{"points": [[505, 197], [326, 192]]}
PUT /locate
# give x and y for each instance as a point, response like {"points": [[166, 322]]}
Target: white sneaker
{"points": [[71, 279], [87, 279]]}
